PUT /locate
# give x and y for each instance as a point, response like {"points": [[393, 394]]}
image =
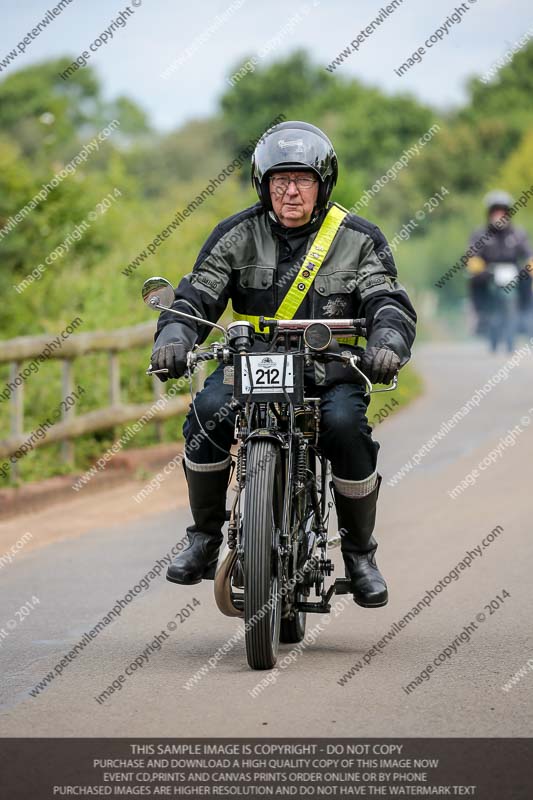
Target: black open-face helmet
{"points": [[294, 146]]}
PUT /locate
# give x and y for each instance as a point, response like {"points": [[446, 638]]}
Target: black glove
{"points": [[380, 364], [171, 348]]}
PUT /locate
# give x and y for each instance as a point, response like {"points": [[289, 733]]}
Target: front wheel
{"points": [[263, 510]]}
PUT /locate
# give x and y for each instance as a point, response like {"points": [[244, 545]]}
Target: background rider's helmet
{"points": [[498, 199], [294, 146]]}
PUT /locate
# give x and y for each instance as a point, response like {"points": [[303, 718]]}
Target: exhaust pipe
{"points": [[223, 584]]}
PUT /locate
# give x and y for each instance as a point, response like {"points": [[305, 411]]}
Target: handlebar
{"points": [[352, 327], [355, 327], [193, 359]]}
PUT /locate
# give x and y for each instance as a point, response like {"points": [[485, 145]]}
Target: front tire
{"points": [[263, 510]]}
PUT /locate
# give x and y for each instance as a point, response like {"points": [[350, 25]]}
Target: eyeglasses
{"points": [[281, 182]]}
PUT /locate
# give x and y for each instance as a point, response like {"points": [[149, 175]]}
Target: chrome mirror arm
{"points": [[154, 303]]}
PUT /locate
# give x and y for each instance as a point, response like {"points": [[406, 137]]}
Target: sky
{"points": [[209, 40]]}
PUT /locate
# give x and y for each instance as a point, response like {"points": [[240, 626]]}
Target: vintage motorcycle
{"points": [[497, 294], [277, 549]]}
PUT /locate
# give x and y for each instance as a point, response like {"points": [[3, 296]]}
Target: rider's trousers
{"points": [[345, 436]]}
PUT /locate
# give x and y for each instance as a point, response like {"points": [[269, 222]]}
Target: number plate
{"points": [[264, 373], [504, 274], [269, 377]]}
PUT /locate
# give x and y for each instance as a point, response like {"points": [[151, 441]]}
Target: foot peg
{"points": [[342, 586]]}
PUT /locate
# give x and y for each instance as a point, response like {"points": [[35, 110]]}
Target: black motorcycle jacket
{"points": [[507, 243], [252, 261]]}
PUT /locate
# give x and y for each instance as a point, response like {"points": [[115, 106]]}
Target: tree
{"points": [[369, 129]]}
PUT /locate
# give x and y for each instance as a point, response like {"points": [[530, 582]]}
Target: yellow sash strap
{"points": [[307, 272]]}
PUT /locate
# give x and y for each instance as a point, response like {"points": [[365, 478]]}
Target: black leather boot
{"points": [[357, 517], [207, 498]]}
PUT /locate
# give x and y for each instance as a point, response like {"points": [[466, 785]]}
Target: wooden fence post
{"points": [[114, 378], [67, 447], [17, 409]]}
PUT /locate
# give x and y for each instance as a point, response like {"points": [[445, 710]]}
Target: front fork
{"points": [[281, 548], [297, 477]]}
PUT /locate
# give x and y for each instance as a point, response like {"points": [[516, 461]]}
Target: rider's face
{"points": [[499, 215], [294, 205]]}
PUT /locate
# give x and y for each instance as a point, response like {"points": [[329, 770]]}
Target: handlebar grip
{"points": [[360, 325]]}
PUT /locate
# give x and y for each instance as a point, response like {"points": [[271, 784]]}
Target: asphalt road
{"points": [[423, 534]]}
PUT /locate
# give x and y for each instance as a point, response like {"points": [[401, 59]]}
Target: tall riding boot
{"points": [[207, 498], [357, 516]]}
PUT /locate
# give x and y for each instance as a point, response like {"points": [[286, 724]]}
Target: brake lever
{"points": [[151, 371], [390, 388], [193, 359], [370, 388]]}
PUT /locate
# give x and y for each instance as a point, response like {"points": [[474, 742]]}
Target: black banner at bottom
{"points": [[485, 769]]}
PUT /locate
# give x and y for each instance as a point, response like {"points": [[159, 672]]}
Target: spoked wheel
{"points": [[262, 571]]}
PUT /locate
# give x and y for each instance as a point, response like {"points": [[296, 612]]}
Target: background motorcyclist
{"points": [[252, 259], [500, 278]]}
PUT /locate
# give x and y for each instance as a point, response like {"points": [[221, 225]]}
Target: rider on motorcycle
{"points": [[252, 259], [499, 289]]}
